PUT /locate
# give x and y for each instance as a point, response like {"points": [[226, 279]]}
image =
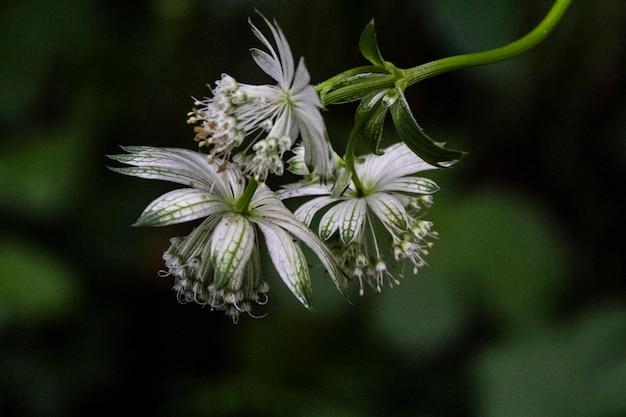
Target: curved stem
{"points": [[349, 159], [521, 45]]}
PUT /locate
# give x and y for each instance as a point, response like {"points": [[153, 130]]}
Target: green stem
{"points": [[241, 205], [518, 47], [349, 159]]}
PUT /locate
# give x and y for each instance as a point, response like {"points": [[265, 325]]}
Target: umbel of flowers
{"points": [[367, 211], [390, 195]]}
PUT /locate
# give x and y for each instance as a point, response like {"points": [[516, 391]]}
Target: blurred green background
{"points": [[520, 312]]}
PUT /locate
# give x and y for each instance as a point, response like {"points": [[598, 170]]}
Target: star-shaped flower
{"points": [[218, 263], [273, 115], [391, 197]]}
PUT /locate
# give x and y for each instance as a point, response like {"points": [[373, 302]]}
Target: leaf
{"points": [[354, 84], [369, 120], [413, 135], [341, 184], [369, 47]]}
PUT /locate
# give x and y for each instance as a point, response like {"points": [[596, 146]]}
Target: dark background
{"points": [[519, 313]]}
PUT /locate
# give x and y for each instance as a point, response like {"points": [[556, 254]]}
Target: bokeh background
{"points": [[520, 312]]}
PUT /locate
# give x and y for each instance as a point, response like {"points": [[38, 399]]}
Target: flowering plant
{"points": [[246, 131]]}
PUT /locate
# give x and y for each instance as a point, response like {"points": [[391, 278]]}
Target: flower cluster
{"points": [[218, 264], [370, 211], [391, 196], [273, 116]]}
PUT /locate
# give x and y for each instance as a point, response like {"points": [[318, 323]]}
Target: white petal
{"points": [[284, 56], [317, 149], [413, 185], [176, 165], [231, 245], [281, 217], [302, 77], [397, 161], [389, 210], [353, 218], [260, 36], [289, 261], [267, 63], [347, 217], [180, 206], [302, 189], [331, 220], [307, 211]]}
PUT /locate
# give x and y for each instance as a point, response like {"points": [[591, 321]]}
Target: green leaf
{"points": [[342, 182], [413, 135], [369, 120], [369, 47], [354, 84], [356, 88]]}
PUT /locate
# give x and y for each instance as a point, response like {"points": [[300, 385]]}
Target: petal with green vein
{"points": [[352, 219], [289, 261], [280, 216], [413, 185], [307, 211], [231, 245], [331, 220], [180, 206], [389, 210]]}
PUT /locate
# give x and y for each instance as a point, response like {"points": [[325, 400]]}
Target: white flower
{"points": [[273, 115], [218, 263], [390, 197]]}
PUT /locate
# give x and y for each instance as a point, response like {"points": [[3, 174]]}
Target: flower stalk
{"points": [[243, 202], [381, 86], [530, 40], [349, 160]]}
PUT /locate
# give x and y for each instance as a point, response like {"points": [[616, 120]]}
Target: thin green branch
{"points": [[518, 47], [349, 159]]}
